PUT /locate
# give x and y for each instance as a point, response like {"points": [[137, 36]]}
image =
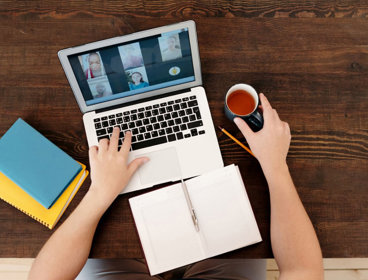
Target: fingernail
{"points": [[236, 120], [145, 160]]}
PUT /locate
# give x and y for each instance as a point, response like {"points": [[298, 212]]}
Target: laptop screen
{"points": [[134, 67]]}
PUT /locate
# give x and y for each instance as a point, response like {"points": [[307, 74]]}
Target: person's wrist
{"points": [[274, 168], [99, 201]]}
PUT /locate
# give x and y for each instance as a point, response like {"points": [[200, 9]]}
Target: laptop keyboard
{"points": [[156, 124]]}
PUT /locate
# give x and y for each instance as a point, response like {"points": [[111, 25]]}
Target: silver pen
{"points": [[189, 203]]}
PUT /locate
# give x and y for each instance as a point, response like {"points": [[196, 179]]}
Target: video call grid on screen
{"points": [[134, 67]]}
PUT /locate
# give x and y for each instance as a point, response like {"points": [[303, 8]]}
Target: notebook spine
{"points": [[28, 214]]}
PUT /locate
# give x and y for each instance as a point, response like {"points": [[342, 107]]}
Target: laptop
{"points": [[150, 83]]}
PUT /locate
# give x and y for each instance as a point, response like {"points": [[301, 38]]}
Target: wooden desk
{"points": [[311, 60]]}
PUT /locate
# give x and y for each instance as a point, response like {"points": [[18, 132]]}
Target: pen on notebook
{"points": [[235, 140], [189, 202]]}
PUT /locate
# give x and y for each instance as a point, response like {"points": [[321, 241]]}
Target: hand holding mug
{"points": [[242, 101], [270, 145]]}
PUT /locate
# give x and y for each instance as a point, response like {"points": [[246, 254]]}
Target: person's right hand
{"points": [[271, 144]]}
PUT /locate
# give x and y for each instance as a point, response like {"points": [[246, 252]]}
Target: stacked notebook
{"points": [[165, 226], [36, 176]]}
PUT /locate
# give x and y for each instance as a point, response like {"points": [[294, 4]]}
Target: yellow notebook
{"points": [[15, 196]]}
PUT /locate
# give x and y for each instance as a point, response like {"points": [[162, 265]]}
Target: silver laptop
{"points": [[147, 82]]}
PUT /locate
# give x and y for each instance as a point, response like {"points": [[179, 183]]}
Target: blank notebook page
{"points": [[223, 210], [166, 229]]}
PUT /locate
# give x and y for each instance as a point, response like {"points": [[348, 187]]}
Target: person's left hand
{"points": [[110, 171]]}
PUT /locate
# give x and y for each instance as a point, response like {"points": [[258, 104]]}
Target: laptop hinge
{"points": [[140, 101]]}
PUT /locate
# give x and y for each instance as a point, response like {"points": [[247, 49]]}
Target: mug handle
{"points": [[255, 121]]}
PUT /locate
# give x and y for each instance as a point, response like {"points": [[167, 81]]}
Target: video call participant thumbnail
{"points": [[137, 81], [131, 56], [94, 68], [170, 47]]}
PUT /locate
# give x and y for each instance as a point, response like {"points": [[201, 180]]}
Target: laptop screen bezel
{"points": [[63, 57]]}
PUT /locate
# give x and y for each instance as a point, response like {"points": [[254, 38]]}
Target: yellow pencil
{"points": [[235, 140]]}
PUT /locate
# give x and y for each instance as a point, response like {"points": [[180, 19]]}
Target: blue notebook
{"points": [[35, 164]]}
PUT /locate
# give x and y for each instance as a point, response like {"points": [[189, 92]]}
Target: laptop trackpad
{"points": [[163, 166]]}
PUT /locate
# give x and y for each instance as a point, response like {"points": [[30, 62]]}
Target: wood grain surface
{"points": [[310, 58]]}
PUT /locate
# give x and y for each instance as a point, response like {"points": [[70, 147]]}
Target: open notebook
{"points": [[166, 230]]}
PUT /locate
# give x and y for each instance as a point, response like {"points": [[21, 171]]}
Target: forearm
{"points": [[294, 241], [65, 253]]}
